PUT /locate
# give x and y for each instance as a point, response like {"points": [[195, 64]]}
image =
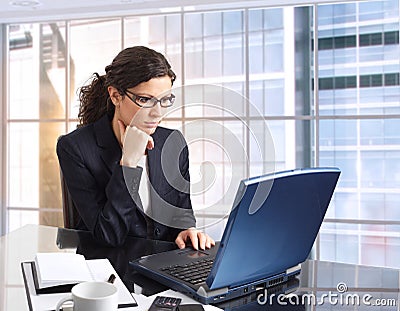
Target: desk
{"points": [[318, 279]]}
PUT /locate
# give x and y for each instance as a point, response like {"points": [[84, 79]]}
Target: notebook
{"points": [[270, 231], [54, 270], [46, 298]]}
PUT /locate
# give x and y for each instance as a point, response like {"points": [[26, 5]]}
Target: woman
{"points": [[118, 144]]}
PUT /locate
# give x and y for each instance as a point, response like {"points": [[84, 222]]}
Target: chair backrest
{"points": [[71, 215]]}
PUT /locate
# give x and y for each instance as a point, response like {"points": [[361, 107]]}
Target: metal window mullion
{"points": [[223, 98], [165, 17], [316, 85], [183, 66], [34, 209], [203, 155], [40, 120], [316, 111], [247, 87], [122, 19], [362, 221], [4, 69], [67, 74], [4, 90], [358, 129], [294, 117], [316, 132]]}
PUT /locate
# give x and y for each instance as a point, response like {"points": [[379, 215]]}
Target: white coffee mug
{"points": [[92, 296]]}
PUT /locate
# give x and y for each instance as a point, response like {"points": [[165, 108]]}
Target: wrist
{"points": [[128, 163]]}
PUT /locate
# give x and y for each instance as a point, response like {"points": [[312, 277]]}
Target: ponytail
{"points": [[94, 101]]}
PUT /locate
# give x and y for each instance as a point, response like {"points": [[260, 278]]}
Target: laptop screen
{"points": [[273, 225]]}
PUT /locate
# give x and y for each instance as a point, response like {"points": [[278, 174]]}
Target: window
{"points": [[257, 66]]}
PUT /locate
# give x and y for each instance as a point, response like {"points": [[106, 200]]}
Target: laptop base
{"points": [[205, 295]]}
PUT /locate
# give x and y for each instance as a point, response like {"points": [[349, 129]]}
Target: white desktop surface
{"points": [[15, 247], [317, 277], [22, 245]]}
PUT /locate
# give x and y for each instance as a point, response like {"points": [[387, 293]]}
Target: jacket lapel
{"points": [[154, 162], [110, 150]]}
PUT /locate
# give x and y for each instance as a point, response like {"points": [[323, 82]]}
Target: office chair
{"points": [[71, 215]]}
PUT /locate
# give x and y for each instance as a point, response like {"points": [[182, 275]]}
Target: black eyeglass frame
{"points": [[154, 100]]}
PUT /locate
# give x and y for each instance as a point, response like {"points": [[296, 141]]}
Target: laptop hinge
{"points": [[293, 269], [220, 291]]}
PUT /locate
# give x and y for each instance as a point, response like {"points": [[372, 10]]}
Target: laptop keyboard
{"points": [[195, 272]]}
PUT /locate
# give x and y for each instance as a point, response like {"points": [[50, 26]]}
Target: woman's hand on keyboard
{"points": [[197, 239]]}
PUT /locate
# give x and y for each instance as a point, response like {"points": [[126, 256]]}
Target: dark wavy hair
{"points": [[129, 68]]}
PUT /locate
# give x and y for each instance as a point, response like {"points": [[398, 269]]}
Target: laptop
{"points": [[270, 231]]}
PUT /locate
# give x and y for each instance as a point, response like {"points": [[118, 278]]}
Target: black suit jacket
{"points": [[105, 193]]}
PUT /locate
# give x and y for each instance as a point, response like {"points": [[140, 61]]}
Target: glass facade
{"points": [[359, 105], [256, 67]]}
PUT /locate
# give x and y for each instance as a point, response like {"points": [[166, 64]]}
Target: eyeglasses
{"points": [[150, 102]]}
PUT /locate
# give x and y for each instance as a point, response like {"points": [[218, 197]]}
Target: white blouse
{"points": [[144, 191]]}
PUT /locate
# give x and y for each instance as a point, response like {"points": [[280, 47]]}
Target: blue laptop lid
{"points": [[273, 225]]}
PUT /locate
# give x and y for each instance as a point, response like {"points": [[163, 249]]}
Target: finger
{"points": [[210, 242], [194, 239], [202, 240], [150, 143], [122, 129], [179, 241], [141, 138]]}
